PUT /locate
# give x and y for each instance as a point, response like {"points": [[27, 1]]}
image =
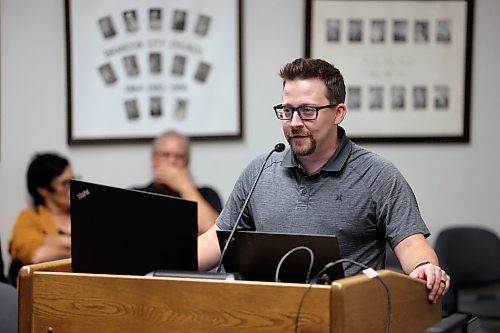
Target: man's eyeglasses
{"points": [[285, 112]]}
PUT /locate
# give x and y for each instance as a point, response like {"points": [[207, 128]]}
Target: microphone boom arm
{"points": [[278, 148]]}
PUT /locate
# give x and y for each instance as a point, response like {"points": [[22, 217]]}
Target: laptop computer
{"points": [[122, 231], [256, 255]]}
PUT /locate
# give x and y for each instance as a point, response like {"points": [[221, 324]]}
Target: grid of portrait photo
{"points": [[380, 31], [397, 31], [398, 98], [131, 66], [140, 67], [404, 64]]}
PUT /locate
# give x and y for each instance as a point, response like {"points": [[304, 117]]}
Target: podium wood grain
{"points": [[53, 299], [359, 304]]}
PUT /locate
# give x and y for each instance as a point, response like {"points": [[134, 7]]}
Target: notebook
{"points": [[256, 255], [123, 231]]}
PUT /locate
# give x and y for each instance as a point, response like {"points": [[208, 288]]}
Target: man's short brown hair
{"points": [[306, 68]]}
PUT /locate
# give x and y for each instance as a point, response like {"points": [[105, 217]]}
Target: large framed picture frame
{"points": [[406, 65], [138, 68]]}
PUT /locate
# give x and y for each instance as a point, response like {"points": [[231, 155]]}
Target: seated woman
{"points": [[42, 233]]}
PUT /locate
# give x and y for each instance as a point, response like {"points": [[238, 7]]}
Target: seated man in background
{"points": [[42, 233], [170, 160]]}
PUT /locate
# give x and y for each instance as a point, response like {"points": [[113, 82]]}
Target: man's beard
{"points": [[301, 150]]}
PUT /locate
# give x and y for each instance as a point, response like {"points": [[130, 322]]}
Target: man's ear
{"points": [[341, 112]]}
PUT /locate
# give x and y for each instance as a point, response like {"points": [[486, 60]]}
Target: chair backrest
{"points": [[14, 268], [8, 308], [3, 278], [471, 255]]}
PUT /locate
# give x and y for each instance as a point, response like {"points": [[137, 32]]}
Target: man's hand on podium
{"points": [[438, 282]]}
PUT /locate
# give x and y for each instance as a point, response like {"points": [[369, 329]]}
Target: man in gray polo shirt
{"points": [[326, 184]]}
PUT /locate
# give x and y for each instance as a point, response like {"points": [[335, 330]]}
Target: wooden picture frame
{"points": [[406, 65], [138, 68]]}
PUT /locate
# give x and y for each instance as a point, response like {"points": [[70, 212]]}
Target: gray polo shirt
{"points": [[357, 196]]}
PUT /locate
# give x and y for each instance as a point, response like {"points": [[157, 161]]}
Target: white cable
{"points": [[311, 254]]}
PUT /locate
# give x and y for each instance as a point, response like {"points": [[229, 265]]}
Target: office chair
{"points": [[457, 323], [471, 256], [8, 308], [14, 268], [3, 278]]}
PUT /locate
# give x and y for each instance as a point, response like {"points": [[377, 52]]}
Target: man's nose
{"points": [[296, 121]]}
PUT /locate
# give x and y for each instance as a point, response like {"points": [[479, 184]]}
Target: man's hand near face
{"points": [[174, 177]]}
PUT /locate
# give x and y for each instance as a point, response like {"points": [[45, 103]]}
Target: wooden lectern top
{"points": [[53, 299]]}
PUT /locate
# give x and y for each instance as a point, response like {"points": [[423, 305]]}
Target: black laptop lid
{"points": [[121, 231], [256, 255]]}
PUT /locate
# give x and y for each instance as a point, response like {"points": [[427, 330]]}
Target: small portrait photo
{"points": [[398, 97], [443, 33], [155, 108], [355, 30], [421, 31], [377, 32], [107, 27], [202, 25], [376, 98], [178, 65], [107, 74], [132, 109], [155, 63], [180, 109], [354, 98], [130, 64], [399, 30], [179, 20], [333, 30], [420, 97], [202, 72], [130, 18], [155, 19], [441, 97]]}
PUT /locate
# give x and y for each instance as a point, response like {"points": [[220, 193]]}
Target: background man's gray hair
{"points": [[172, 133]]}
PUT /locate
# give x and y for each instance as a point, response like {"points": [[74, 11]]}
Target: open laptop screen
{"points": [[122, 231], [256, 255]]}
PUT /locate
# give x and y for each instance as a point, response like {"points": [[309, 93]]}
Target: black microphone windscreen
{"points": [[279, 147]]}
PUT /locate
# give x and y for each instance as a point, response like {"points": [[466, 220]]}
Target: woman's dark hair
{"points": [[41, 171]]}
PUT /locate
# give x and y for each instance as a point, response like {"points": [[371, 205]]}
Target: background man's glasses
{"points": [[166, 154], [285, 112]]}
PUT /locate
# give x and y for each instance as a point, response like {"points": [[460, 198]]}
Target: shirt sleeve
{"points": [[212, 197], [397, 211], [27, 236]]}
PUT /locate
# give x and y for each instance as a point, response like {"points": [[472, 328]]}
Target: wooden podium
{"points": [[52, 299]]}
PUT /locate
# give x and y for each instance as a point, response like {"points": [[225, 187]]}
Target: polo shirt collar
{"points": [[335, 163]]}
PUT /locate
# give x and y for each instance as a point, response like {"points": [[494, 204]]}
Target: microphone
{"points": [[278, 148]]}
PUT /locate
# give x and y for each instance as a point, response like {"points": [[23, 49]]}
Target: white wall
{"points": [[454, 183]]}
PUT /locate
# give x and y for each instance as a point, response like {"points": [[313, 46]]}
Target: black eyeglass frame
{"points": [[298, 108]]}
